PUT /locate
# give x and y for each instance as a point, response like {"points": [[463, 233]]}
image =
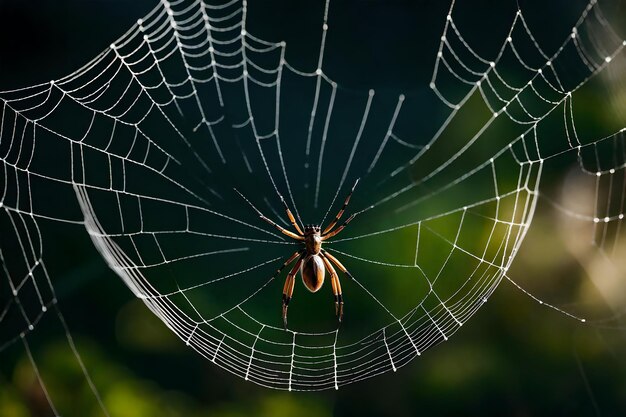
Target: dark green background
{"points": [[514, 358]]}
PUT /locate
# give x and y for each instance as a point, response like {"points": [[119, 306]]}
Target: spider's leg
{"points": [[334, 280], [292, 219], [337, 263], [299, 253], [288, 261], [343, 208], [288, 288], [277, 226], [339, 229]]}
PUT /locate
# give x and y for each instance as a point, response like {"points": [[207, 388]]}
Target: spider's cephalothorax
{"points": [[313, 238], [313, 261]]}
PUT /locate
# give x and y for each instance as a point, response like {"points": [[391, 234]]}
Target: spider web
{"points": [[150, 138]]}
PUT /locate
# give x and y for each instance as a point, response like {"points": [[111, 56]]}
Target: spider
{"points": [[312, 260]]}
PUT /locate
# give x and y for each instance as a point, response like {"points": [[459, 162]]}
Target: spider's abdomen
{"points": [[312, 272]]}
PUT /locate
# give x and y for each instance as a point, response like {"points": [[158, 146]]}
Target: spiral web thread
{"points": [[180, 65]]}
